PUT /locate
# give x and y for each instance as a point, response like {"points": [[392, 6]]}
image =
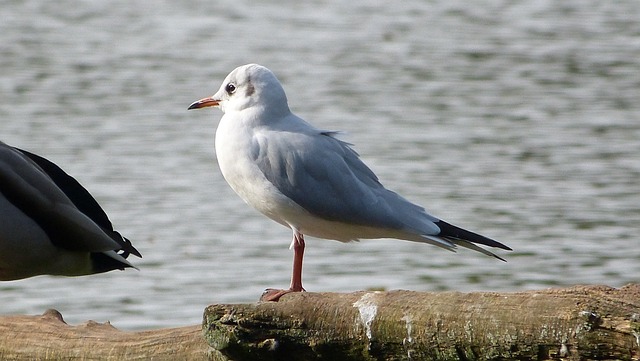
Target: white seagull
{"points": [[308, 180], [50, 224]]}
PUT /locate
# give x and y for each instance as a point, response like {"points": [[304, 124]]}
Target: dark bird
{"points": [[50, 224]]}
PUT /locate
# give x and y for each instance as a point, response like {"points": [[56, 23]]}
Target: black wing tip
{"points": [[449, 230], [128, 248], [500, 258], [103, 263]]}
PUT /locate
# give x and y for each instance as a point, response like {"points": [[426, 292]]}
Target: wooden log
{"points": [[48, 337], [579, 323]]}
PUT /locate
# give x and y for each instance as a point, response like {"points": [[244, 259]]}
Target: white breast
{"points": [[234, 144]]}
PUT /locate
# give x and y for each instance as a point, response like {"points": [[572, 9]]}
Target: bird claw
{"points": [[273, 295]]}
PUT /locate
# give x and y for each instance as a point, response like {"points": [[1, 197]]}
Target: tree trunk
{"points": [[579, 323]]}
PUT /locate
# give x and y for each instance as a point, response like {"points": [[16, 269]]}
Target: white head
{"points": [[248, 86]]}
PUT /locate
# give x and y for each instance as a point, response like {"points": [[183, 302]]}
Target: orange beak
{"points": [[204, 103]]}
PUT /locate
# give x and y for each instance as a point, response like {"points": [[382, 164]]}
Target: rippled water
{"points": [[519, 120]]}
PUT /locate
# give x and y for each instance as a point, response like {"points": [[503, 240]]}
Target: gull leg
{"points": [[298, 254], [296, 277]]}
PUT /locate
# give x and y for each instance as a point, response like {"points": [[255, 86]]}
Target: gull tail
{"points": [[467, 239]]}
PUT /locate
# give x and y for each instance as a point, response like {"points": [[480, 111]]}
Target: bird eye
{"points": [[230, 88]]}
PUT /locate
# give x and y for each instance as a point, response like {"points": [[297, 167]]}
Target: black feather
{"points": [[83, 200], [450, 231]]}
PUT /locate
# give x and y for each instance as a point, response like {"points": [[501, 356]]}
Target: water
{"points": [[519, 120]]}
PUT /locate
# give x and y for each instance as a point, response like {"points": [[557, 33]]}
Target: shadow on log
{"points": [[579, 323]]}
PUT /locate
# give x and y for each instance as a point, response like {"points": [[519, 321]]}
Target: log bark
{"points": [[48, 337], [579, 323]]}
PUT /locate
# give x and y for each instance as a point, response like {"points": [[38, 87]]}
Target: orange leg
{"points": [[296, 277]]}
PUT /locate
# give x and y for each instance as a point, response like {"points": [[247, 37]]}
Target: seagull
{"points": [[50, 224], [307, 179]]}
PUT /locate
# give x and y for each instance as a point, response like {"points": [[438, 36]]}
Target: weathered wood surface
{"points": [[579, 323], [48, 337]]}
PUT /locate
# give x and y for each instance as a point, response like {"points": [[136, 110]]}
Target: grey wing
{"points": [[325, 176]]}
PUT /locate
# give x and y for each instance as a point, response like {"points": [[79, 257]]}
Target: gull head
{"points": [[250, 86]]}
